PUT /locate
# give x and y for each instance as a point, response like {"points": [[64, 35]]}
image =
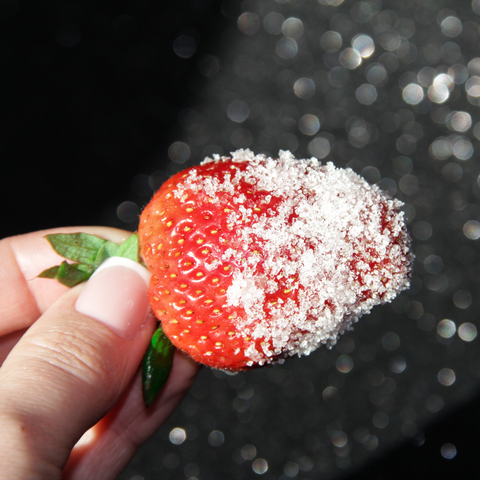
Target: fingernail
{"points": [[116, 295]]}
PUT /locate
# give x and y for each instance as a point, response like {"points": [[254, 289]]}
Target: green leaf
{"points": [[156, 366], [78, 247], [70, 275], [107, 250], [50, 272], [89, 252], [129, 248], [84, 268]]}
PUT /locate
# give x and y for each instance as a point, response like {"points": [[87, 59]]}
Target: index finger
{"points": [[23, 296]]}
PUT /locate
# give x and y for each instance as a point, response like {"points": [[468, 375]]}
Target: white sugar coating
{"points": [[339, 244]]}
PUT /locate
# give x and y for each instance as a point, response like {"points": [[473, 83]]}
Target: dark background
{"points": [[94, 95], [91, 96]]}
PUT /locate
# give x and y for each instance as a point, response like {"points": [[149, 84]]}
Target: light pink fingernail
{"points": [[116, 295]]}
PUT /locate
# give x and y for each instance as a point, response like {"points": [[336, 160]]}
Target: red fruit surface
{"points": [[255, 259]]}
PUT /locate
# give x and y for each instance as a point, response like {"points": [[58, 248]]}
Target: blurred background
{"points": [[102, 102]]}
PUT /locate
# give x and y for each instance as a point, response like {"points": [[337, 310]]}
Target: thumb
{"points": [[71, 367]]}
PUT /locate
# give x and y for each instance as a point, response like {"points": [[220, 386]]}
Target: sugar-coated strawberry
{"points": [[254, 259]]}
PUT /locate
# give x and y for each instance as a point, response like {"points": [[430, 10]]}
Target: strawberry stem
{"points": [[156, 366]]}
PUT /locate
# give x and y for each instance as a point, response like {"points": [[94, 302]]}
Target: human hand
{"points": [[68, 373]]}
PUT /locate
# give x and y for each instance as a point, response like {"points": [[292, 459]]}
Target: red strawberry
{"points": [[255, 259]]}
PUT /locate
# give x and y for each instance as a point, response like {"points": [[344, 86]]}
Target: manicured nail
{"points": [[116, 295]]}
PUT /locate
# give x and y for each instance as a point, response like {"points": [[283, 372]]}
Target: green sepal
{"points": [[88, 252], [107, 250], [71, 274], [156, 366], [51, 272], [67, 274], [130, 248], [78, 247]]}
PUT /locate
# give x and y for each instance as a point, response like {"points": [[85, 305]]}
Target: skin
{"points": [[63, 374]]}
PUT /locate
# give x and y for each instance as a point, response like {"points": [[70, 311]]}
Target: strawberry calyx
{"points": [[88, 252], [156, 366]]}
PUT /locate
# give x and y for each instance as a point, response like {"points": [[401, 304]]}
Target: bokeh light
{"points": [[179, 152], [366, 94], [304, 88], [446, 328], [459, 121], [451, 26], [467, 332], [471, 229], [216, 438], [319, 147], [286, 48], [413, 94], [238, 111], [177, 436], [309, 124], [293, 28], [260, 466], [248, 23], [350, 58], [184, 46], [331, 41], [364, 45], [446, 377], [273, 22], [448, 451]]}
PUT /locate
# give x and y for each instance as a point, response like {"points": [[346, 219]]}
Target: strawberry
{"points": [[255, 259]]}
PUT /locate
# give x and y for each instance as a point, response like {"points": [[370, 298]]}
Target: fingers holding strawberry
{"points": [[78, 362]]}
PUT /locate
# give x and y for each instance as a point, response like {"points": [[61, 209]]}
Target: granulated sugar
{"points": [[337, 245]]}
